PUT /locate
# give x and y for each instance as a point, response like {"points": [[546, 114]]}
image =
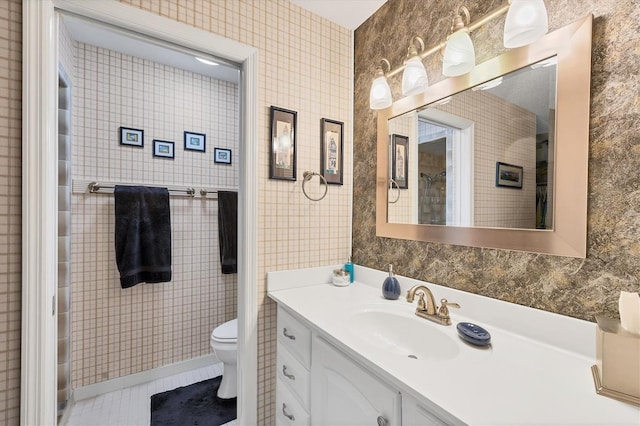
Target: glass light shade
{"points": [[380, 94], [414, 77], [459, 54], [526, 22]]}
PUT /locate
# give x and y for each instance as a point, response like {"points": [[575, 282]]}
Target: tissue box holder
{"points": [[617, 370]]}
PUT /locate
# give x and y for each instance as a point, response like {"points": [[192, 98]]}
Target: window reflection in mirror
{"points": [[483, 157]]}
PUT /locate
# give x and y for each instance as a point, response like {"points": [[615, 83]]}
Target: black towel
{"points": [[143, 235], [228, 231]]}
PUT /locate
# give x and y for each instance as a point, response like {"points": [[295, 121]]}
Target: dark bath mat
{"points": [[196, 404]]}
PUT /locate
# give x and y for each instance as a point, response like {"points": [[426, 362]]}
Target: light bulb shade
{"points": [[380, 94], [526, 22], [459, 54], [414, 77]]}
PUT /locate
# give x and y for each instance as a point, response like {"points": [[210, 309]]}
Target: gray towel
{"points": [[143, 235]]}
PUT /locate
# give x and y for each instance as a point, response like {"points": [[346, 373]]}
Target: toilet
{"points": [[224, 342]]}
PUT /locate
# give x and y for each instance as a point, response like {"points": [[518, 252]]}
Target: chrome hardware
{"points": [[428, 309], [287, 335], [287, 415], [306, 177], [391, 183], [287, 375], [382, 421]]}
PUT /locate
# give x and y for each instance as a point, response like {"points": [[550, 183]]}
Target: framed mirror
{"points": [[495, 158]]}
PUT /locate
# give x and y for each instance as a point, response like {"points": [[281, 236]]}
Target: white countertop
{"points": [[537, 370]]}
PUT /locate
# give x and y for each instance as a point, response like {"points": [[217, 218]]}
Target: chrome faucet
{"points": [[428, 309]]}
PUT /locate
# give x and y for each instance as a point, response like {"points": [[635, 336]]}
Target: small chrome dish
{"points": [[473, 334]]}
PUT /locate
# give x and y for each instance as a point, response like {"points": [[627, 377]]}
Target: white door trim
{"points": [[39, 171], [39, 213]]}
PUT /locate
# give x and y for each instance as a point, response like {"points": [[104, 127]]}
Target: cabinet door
{"points": [[342, 393], [416, 414]]}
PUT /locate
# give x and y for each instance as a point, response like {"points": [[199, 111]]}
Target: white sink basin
{"points": [[404, 334]]}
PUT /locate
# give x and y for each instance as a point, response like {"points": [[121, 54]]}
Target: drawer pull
{"points": [[287, 415], [382, 421], [287, 335], [287, 375]]}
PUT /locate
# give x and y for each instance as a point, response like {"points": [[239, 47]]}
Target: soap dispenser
{"points": [[391, 286], [348, 266]]}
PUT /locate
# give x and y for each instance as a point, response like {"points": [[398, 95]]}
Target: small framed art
{"points": [[195, 141], [331, 145], [131, 137], [400, 160], [282, 149], [222, 156], [509, 175], [164, 149]]}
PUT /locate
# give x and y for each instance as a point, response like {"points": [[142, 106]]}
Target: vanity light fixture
{"points": [[526, 22], [414, 77], [380, 94], [207, 61], [459, 54]]}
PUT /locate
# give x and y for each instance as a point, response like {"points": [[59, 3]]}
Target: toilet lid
{"points": [[227, 332]]}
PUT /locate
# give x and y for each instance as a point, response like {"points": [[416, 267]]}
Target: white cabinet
{"points": [[318, 384], [342, 393], [417, 414], [293, 361]]}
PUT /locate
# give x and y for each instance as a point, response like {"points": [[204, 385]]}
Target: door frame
{"points": [[39, 191]]}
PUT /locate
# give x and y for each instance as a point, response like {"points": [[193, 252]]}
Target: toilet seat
{"points": [[226, 332]]}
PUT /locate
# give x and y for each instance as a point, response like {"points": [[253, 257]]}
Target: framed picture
{"points": [[221, 155], [195, 141], [400, 160], [131, 137], [282, 149], [163, 149], [331, 159], [508, 175]]}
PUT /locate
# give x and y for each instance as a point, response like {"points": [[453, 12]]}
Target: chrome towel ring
{"points": [[391, 183], [306, 176]]}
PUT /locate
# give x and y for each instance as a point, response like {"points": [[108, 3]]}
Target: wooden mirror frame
{"points": [[572, 45]]}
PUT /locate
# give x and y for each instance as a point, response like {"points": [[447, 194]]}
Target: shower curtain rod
{"points": [[93, 187]]}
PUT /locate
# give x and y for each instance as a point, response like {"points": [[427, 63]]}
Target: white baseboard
{"points": [[124, 382], [64, 420]]}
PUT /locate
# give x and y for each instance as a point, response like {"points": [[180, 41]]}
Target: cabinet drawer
{"points": [[295, 337], [292, 373], [289, 412]]}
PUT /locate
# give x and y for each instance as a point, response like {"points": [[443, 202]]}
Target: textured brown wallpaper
{"points": [[574, 287]]}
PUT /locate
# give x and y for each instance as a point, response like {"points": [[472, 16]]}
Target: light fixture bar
{"points": [[471, 27]]}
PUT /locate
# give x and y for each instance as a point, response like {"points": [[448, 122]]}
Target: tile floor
{"points": [[132, 406]]}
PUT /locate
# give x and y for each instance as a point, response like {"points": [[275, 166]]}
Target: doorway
{"points": [[40, 165]]}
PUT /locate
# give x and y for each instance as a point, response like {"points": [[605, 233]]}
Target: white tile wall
{"points": [[503, 132], [115, 331]]}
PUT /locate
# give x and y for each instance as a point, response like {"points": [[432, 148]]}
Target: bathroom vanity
{"points": [[347, 356]]}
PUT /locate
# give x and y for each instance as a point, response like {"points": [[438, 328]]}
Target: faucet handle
{"points": [[443, 310], [422, 305]]}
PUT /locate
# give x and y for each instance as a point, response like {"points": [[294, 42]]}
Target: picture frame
{"points": [[163, 149], [509, 175], [282, 144], [400, 160], [331, 149], [195, 141], [131, 137], [222, 155]]}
